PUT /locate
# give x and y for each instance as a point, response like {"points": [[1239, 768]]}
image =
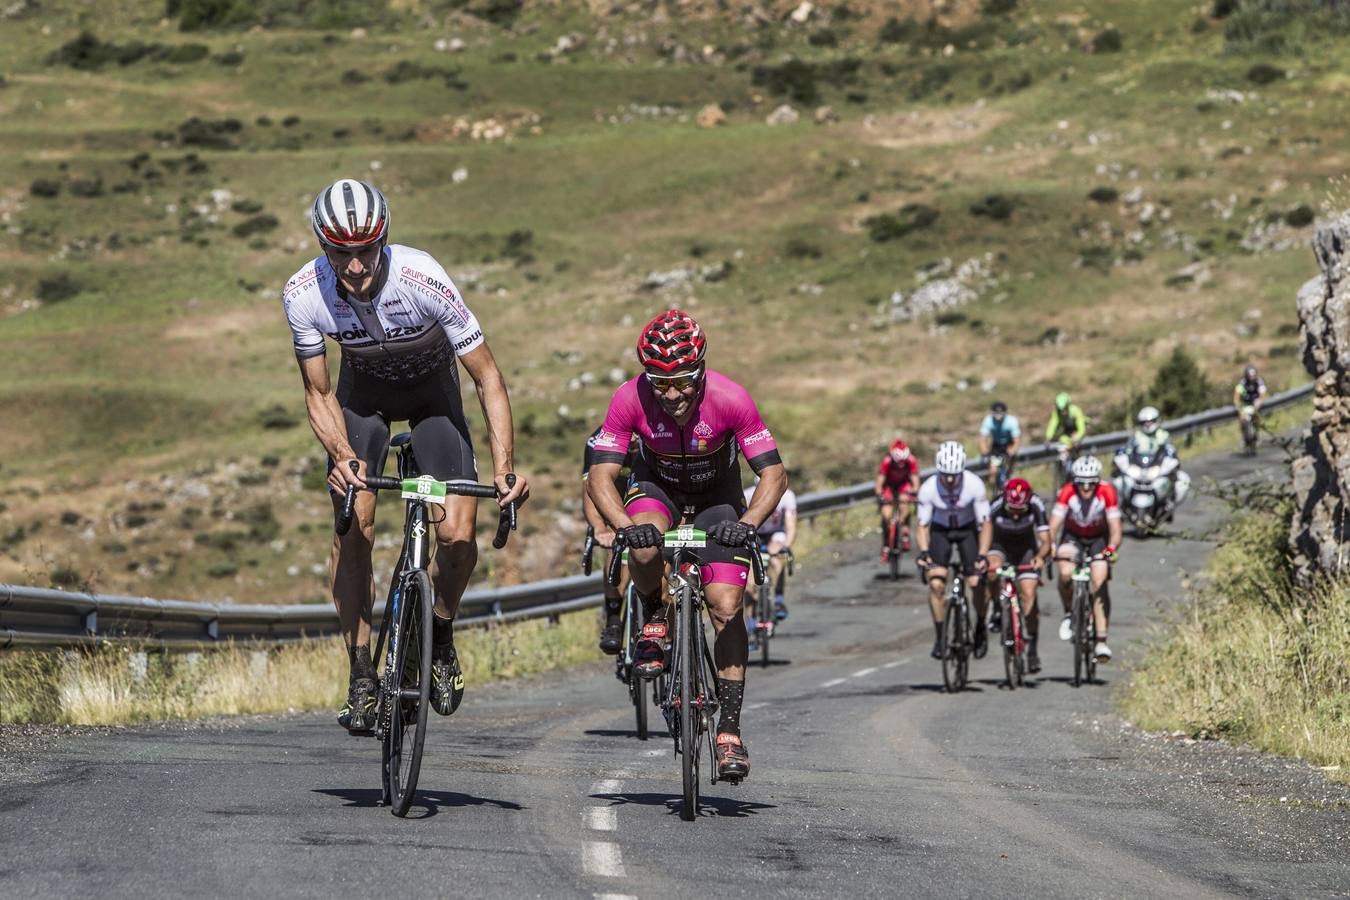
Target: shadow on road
{"points": [[429, 801], [624, 733], [905, 575], [1067, 680], [724, 807]]}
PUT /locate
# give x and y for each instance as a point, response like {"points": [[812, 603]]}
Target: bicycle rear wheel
{"points": [[893, 559], [765, 629], [1080, 615], [408, 689], [951, 636], [686, 673], [637, 690], [1090, 646], [963, 657], [1009, 641]]}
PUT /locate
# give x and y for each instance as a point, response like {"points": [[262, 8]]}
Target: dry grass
{"points": [[121, 684], [1252, 661]]}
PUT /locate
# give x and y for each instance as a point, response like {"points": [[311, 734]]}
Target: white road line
{"points": [[862, 673], [756, 705], [608, 786], [896, 663], [603, 859], [614, 896], [602, 818], [834, 681]]}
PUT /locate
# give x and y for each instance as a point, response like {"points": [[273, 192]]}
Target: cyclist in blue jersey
{"points": [[1000, 439]]}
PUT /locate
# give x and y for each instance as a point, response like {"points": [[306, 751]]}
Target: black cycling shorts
{"points": [[699, 510], [432, 408], [1016, 549], [941, 542], [1072, 546]]}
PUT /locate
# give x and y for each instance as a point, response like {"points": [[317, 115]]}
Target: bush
{"points": [[1300, 216], [186, 53], [45, 187], [222, 570], [1264, 73], [246, 207], [259, 224], [994, 206], [1179, 387], [277, 417], [230, 58], [798, 79], [1108, 41], [933, 77], [58, 287], [1273, 26], [825, 37], [406, 70], [87, 187], [911, 217], [1104, 194], [896, 31], [997, 7], [202, 15], [212, 134], [796, 248]]}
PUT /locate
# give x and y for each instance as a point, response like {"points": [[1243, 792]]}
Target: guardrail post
{"points": [[213, 629], [257, 664], [91, 622], [139, 664]]}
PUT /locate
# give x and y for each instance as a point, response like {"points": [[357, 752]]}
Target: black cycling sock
{"points": [[361, 664], [442, 631], [937, 630], [729, 696], [613, 606]]}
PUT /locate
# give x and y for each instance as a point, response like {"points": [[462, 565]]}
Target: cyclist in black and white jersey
{"points": [[953, 514], [1019, 535], [401, 324]]}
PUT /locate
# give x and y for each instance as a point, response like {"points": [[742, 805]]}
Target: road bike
{"points": [[765, 622], [1084, 623], [895, 544], [689, 701], [956, 635], [404, 685], [1000, 463], [1013, 624]]}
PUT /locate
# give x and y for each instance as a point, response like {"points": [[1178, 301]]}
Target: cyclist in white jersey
{"points": [[953, 515], [776, 533], [401, 324]]}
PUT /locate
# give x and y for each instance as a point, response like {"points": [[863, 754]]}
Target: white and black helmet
{"points": [[951, 458], [1087, 468], [349, 214], [1149, 419]]}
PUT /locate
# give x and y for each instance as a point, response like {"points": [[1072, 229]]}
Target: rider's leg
{"points": [[456, 553], [1065, 558], [1031, 614], [1101, 600], [887, 523], [350, 573], [645, 565]]}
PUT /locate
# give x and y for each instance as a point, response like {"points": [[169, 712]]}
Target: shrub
{"points": [[277, 417], [58, 287], [910, 217], [997, 7], [45, 187], [1179, 387], [87, 187], [1104, 194], [247, 207], [1272, 26], [932, 78], [825, 37], [187, 53], [1264, 73], [259, 224], [1222, 9], [354, 76], [994, 206], [896, 31], [213, 134], [1108, 41], [222, 569], [795, 78], [1300, 216], [230, 58], [796, 248]]}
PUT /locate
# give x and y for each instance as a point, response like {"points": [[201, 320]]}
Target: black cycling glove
{"points": [[641, 536], [731, 534]]}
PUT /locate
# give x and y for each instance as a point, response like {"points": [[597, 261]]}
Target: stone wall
{"points": [[1319, 538]]}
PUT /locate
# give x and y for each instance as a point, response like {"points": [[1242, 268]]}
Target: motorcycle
{"points": [[1144, 484]]}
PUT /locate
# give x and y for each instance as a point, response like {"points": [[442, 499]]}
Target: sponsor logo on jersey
{"points": [[703, 430], [761, 435], [698, 444], [352, 334], [605, 440], [701, 476], [660, 431], [460, 345]]}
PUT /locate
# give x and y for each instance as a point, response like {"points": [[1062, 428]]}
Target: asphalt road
{"points": [[867, 781]]}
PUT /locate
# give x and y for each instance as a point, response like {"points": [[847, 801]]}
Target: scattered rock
{"points": [[711, 116], [802, 13], [826, 115], [783, 115]]}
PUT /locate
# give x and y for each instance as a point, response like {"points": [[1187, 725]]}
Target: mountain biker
{"points": [[1249, 391], [693, 424], [1152, 440], [777, 533], [1089, 513], [1000, 439], [1019, 536], [610, 639], [953, 514], [401, 324], [1067, 425], [897, 483]]}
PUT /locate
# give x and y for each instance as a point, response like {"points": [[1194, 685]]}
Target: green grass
{"points": [[161, 364], [1251, 659]]}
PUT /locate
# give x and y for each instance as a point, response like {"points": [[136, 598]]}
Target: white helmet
{"points": [[1149, 418], [349, 214], [1087, 468], [951, 458]]}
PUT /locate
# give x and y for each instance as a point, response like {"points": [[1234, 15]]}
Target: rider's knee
{"points": [[457, 552]]}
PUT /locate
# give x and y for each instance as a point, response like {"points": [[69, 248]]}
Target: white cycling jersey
{"points": [[417, 323], [778, 520], [965, 506]]}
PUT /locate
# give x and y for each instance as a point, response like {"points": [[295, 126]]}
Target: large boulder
{"points": [[1319, 537]]}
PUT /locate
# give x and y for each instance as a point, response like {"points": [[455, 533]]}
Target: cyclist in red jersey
{"points": [[897, 484], [693, 425], [1089, 513]]}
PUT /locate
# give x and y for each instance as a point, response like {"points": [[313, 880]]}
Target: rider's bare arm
{"points": [[986, 536], [1115, 532], [986, 444], [921, 538], [496, 404], [325, 417], [593, 517], [773, 482], [790, 526], [600, 486], [876, 488]]}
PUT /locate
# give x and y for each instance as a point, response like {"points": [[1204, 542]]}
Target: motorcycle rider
{"points": [[1152, 440]]}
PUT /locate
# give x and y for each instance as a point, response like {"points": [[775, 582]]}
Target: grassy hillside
{"points": [[1093, 184]]}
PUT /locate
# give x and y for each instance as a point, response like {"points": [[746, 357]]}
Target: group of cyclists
{"points": [[668, 453]]}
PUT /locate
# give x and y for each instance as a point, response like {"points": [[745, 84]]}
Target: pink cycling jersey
{"points": [[699, 455]]}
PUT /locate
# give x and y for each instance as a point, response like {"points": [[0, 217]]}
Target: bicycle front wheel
{"points": [[1009, 641], [1081, 612], [407, 685], [951, 633], [637, 689], [687, 675]]}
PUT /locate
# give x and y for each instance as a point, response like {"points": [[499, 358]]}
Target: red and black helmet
{"points": [[1017, 495], [899, 451], [670, 342]]}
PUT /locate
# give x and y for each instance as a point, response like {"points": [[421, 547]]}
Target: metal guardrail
{"points": [[41, 617]]}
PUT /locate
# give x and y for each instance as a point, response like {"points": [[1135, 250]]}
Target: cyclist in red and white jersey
{"points": [[693, 424], [1089, 513], [401, 325], [897, 484]]}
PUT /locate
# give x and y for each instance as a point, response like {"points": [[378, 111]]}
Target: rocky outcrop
{"points": [[1319, 538]]}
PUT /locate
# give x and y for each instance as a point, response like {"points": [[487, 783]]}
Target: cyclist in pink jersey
{"points": [[693, 425]]}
